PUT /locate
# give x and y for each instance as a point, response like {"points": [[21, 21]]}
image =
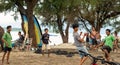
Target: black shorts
{"points": [[94, 41], [7, 49], [107, 48]]}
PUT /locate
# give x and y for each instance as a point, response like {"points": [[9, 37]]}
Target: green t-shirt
{"points": [[7, 37], [109, 41]]}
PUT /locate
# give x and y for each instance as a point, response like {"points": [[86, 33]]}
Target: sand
{"points": [[31, 58]]}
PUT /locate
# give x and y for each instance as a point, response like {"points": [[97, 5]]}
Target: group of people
{"points": [[93, 39], [21, 42], [94, 42]]}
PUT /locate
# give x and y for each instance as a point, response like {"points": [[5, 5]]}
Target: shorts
{"points": [[107, 48], [82, 49], [45, 47], [98, 41], [7, 49]]}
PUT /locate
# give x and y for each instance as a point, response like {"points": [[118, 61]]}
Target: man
{"points": [[7, 44], [79, 43], [108, 44], [45, 40]]}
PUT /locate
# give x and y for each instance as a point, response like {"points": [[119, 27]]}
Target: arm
{"points": [[82, 39], [101, 44], [80, 33], [4, 41]]}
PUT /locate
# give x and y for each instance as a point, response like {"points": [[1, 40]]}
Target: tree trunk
{"points": [[29, 13], [22, 25], [31, 27], [60, 28]]}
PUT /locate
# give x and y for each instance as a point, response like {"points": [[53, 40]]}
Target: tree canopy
{"points": [[60, 14]]}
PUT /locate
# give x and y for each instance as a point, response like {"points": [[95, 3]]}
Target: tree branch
{"points": [[113, 14], [34, 2], [20, 7], [67, 29]]}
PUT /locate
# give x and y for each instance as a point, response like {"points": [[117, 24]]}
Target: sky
{"points": [[8, 19]]}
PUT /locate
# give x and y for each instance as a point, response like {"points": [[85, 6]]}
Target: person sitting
{"points": [[20, 40]]}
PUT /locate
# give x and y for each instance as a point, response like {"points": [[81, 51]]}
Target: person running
{"points": [[108, 44], [7, 44], [116, 41], [45, 40], [79, 43]]}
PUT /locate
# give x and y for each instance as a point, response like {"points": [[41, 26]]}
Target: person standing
{"points": [[78, 41], [45, 40], [7, 44], [93, 38], [116, 41]]}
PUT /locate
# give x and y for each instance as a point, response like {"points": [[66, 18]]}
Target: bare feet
{"points": [[8, 63]]}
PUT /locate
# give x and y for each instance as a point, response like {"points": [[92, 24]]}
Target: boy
{"points": [[108, 44], [79, 43], [45, 40], [7, 44]]}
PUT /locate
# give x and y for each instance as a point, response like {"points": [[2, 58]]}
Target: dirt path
{"points": [[30, 58]]}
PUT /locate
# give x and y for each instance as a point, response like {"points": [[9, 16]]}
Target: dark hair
{"points": [[75, 26], [19, 32], [45, 29], [115, 32], [9, 27], [108, 30]]}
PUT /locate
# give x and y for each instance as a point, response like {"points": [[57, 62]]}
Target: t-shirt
{"points": [[7, 37], [76, 40], [21, 39], [45, 38], [109, 41]]}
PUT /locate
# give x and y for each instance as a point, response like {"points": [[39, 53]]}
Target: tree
{"points": [[19, 6], [99, 12], [58, 13]]}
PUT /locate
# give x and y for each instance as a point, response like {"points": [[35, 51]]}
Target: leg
{"points": [[43, 48], [107, 55], [48, 53], [83, 60], [3, 57], [43, 52], [8, 56], [48, 49], [83, 56]]}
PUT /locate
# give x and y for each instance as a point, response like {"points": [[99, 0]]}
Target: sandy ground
{"points": [[30, 58]]}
